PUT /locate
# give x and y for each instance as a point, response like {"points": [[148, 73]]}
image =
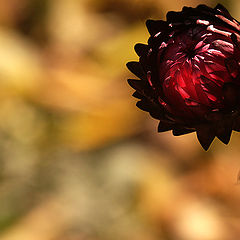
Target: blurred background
{"points": [[78, 160]]}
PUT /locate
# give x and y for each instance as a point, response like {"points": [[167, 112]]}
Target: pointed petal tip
{"points": [[205, 135], [206, 143], [156, 26], [127, 65], [131, 81], [151, 26], [130, 65], [224, 140], [205, 146], [225, 136], [137, 95], [220, 7], [164, 126], [137, 69], [141, 49], [143, 105], [149, 22], [135, 84]]}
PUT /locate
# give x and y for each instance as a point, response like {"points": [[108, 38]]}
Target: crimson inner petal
{"points": [[189, 57]]}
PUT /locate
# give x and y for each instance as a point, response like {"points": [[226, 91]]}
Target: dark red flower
{"points": [[189, 73]]}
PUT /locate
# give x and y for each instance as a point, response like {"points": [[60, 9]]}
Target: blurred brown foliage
{"points": [[78, 160]]}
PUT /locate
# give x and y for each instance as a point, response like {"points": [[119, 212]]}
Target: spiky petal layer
{"points": [[189, 73]]}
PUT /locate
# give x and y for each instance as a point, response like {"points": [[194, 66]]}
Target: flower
{"points": [[189, 73]]}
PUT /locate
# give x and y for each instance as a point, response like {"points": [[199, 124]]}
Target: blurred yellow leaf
{"points": [[20, 65]]}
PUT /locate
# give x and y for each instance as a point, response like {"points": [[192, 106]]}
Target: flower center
{"points": [[190, 52]]}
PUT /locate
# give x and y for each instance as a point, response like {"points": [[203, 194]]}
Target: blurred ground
{"points": [[78, 160]]}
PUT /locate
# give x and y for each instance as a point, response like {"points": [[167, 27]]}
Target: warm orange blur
{"points": [[78, 160]]}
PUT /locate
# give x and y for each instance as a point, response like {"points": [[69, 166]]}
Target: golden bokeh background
{"points": [[78, 160]]}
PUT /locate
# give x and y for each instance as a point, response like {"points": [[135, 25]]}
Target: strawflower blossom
{"points": [[189, 73]]}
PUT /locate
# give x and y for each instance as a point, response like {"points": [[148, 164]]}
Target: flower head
{"points": [[190, 74]]}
